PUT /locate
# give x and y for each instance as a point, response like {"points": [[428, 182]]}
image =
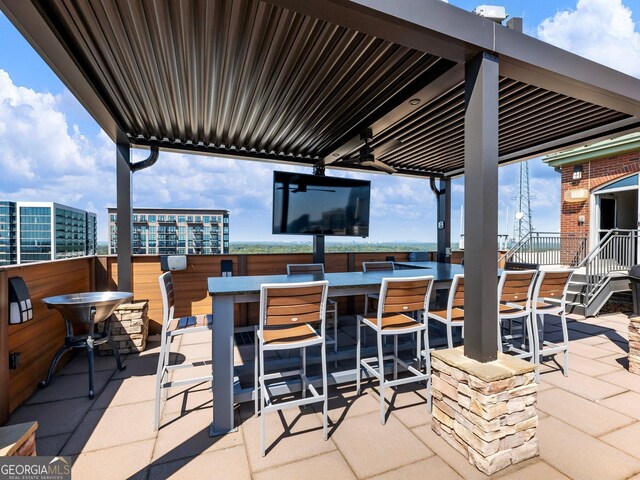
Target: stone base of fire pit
{"points": [[129, 328]]}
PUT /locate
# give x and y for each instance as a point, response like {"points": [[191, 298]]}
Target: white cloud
{"points": [[601, 30]]}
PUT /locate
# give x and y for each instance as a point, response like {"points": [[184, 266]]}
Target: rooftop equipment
{"points": [[492, 12]]}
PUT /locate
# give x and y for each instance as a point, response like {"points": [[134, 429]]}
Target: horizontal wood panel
{"points": [[39, 339]]}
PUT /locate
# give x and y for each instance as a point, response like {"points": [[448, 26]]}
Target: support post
{"points": [[444, 221], [4, 347], [124, 211], [318, 249], [481, 207]]}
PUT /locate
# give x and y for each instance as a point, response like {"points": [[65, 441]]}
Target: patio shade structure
{"points": [[299, 81]]}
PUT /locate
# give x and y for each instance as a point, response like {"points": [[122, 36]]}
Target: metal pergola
{"points": [[298, 81]]}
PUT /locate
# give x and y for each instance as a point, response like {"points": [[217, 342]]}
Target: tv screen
{"points": [[315, 205]]}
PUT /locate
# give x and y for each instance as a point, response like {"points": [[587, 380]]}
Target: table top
{"points": [[250, 285]]}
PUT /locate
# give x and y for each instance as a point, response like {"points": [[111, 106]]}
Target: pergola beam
{"points": [[441, 29], [437, 87]]}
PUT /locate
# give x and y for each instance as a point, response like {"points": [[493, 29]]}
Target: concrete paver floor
{"points": [[589, 424]]}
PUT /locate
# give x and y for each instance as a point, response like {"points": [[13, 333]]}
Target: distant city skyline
{"points": [[51, 149]]}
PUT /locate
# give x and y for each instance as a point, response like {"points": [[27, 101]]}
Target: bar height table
{"points": [[225, 292]]}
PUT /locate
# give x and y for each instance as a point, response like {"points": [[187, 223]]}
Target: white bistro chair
{"points": [[171, 328], [549, 298], [288, 313], [398, 298], [515, 290]]}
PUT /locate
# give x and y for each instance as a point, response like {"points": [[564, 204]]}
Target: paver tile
{"points": [[535, 471], [126, 390], [328, 465], [589, 367], [583, 414], [581, 456], [188, 435], [583, 385], [627, 403], [371, 448], [61, 416], [123, 461], [433, 467], [624, 379], [51, 446], [626, 439], [298, 438], [70, 386], [111, 427], [227, 464], [587, 351]]}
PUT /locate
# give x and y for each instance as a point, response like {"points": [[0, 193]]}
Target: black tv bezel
{"points": [[338, 181]]}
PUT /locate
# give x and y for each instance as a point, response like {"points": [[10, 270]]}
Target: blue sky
{"points": [[52, 150]]}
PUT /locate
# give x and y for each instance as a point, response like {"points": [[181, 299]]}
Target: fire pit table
{"points": [[85, 311]]}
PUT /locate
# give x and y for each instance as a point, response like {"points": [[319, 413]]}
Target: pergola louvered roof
{"points": [[298, 81]]}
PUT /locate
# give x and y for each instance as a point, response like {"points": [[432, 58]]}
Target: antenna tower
{"points": [[522, 225]]}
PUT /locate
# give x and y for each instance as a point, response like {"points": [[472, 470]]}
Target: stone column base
{"points": [[486, 411], [129, 328], [634, 345]]}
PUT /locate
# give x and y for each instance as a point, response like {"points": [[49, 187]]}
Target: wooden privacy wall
{"points": [[37, 340], [192, 297]]}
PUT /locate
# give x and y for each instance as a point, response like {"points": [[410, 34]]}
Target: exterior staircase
{"points": [[600, 274]]}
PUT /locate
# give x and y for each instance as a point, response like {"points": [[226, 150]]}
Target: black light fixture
{"points": [[577, 172]]}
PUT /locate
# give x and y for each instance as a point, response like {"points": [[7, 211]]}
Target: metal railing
{"points": [[617, 251], [549, 248]]}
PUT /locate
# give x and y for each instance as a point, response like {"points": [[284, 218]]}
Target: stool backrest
{"points": [[289, 304], [456, 292], [377, 266], [404, 295], [293, 268], [167, 291], [552, 284], [516, 287]]}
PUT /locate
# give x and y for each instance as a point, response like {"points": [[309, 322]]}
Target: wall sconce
{"points": [[580, 220], [577, 172]]}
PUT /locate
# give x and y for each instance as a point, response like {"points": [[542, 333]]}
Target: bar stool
{"points": [[514, 303], [453, 316], [171, 328], [287, 311], [375, 267], [332, 305], [549, 298], [398, 297]]}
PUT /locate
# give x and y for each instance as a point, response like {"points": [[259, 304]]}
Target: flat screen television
{"points": [[316, 205]]}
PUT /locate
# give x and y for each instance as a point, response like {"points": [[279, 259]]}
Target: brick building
{"points": [[599, 188]]}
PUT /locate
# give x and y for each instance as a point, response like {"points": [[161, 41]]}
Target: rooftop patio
{"points": [[285, 81], [589, 423]]}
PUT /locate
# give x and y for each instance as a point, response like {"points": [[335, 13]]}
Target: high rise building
{"points": [[8, 254], [41, 231], [174, 231]]}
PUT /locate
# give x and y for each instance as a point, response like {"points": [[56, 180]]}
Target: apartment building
{"points": [[181, 231], [41, 231]]}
